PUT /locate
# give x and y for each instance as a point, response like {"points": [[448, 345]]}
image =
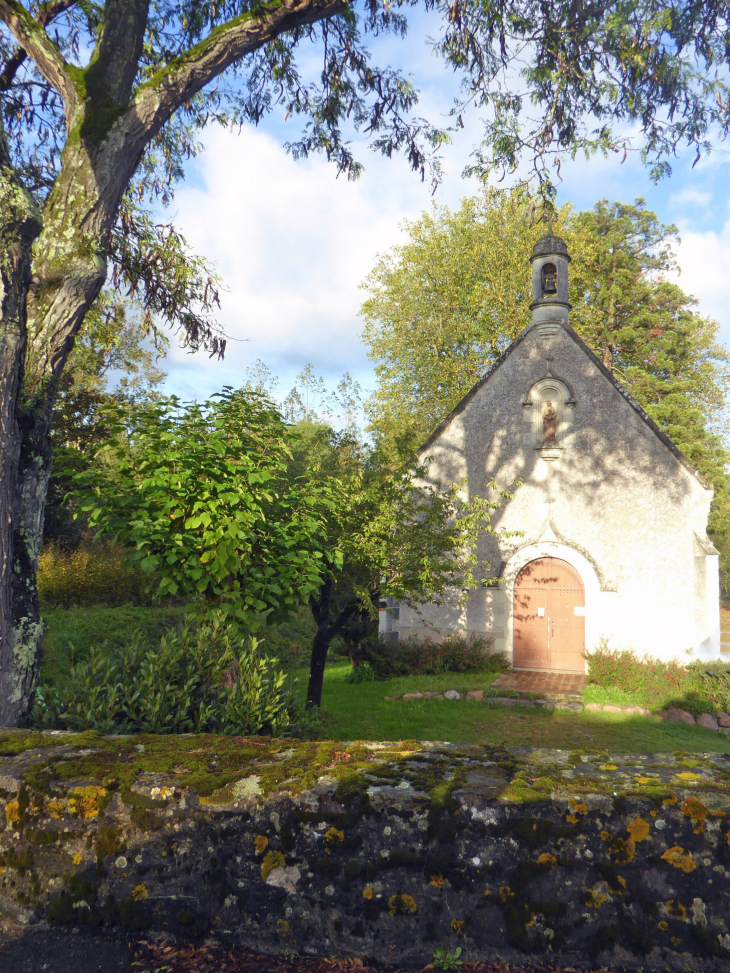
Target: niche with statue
{"points": [[548, 414]]}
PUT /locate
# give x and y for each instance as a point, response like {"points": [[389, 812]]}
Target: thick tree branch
{"points": [[114, 65], [180, 80], [31, 36], [47, 13]]}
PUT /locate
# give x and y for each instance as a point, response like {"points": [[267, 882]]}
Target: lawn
{"points": [[360, 711]]}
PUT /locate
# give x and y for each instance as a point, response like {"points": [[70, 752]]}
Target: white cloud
{"points": [[292, 243], [704, 257], [688, 196]]}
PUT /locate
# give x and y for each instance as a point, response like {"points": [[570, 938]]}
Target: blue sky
{"points": [[292, 242]]}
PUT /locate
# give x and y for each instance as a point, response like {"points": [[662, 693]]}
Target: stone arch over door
{"points": [[549, 616]]}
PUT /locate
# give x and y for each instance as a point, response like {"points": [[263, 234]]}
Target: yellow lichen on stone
{"points": [[638, 829], [608, 767], [77, 858], [688, 775], [593, 899], [578, 807], [676, 909], [367, 893], [12, 813], [334, 836], [505, 892], [694, 809], [437, 880], [571, 819], [55, 808], [260, 843], [86, 800], [139, 892], [621, 881], [404, 904], [458, 926], [606, 836], [670, 800], [663, 925], [283, 928], [547, 859], [679, 858], [274, 859]]}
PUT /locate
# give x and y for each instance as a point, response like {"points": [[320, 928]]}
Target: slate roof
{"points": [[659, 433]]}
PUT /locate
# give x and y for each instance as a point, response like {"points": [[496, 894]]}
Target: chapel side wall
{"points": [[615, 494]]}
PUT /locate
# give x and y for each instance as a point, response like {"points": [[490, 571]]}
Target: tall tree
{"points": [[92, 136], [446, 303], [387, 534], [443, 306]]}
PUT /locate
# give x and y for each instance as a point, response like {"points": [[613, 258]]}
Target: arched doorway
{"points": [[549, 616]]}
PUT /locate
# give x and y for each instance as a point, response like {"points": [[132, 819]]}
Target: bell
{"points": [[549, 280]]}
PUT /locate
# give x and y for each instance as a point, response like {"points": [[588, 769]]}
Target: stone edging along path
{"points": [[720, 721], [380, 850]]}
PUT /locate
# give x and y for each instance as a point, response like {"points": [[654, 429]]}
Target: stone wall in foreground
{"points": [[385, 851]]}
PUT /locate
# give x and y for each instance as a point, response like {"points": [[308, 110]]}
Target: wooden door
{"points": [[549, 616]]}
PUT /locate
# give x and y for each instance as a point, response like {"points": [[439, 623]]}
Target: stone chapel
{"points": [[612, 515]]}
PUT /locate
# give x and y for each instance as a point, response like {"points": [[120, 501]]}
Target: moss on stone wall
{"points": [[385, 849]]}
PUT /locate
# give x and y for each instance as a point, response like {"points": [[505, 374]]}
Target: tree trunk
{"points": [[320, 607], [20, 625]]}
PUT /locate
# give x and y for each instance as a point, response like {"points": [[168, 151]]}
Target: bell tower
{"points": [[550, 261]]}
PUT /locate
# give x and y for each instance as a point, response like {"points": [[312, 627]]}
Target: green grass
{"points": [[614, 695], [360, 712]]}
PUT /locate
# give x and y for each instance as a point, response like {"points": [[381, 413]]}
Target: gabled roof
{"points": [[659, 433]]}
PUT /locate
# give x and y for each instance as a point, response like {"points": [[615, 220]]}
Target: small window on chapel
{"points": [[549, 279]]}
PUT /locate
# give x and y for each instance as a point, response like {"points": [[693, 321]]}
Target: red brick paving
{"points": [[548, 683]]}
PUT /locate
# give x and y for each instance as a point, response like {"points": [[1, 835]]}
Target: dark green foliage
{"points": [[423, 657], [205, 678]]}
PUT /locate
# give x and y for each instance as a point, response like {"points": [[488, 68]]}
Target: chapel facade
{"points": [[606, 538]]}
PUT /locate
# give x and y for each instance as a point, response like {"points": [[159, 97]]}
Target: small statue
{"points": [[549, 425]]}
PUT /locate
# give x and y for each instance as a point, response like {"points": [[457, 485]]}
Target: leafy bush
{"points": [[73, 632], [205, 678], [361, 673], [423, 657], [96, 573], [698, 687]]}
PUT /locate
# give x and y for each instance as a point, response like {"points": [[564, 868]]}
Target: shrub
{"points": [[423, 657], [361, 673], [205, 678], [95, 573], [698, 687]]}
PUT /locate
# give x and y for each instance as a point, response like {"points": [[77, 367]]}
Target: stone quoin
{"points": [[612, 516]]}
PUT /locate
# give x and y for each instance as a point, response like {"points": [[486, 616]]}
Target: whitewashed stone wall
{"points": [[614, 498]]}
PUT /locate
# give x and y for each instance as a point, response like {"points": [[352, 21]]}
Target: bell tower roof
{"points": [[550, 244]]}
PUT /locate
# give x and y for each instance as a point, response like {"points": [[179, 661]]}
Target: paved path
{"points": [[547, 684]]}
